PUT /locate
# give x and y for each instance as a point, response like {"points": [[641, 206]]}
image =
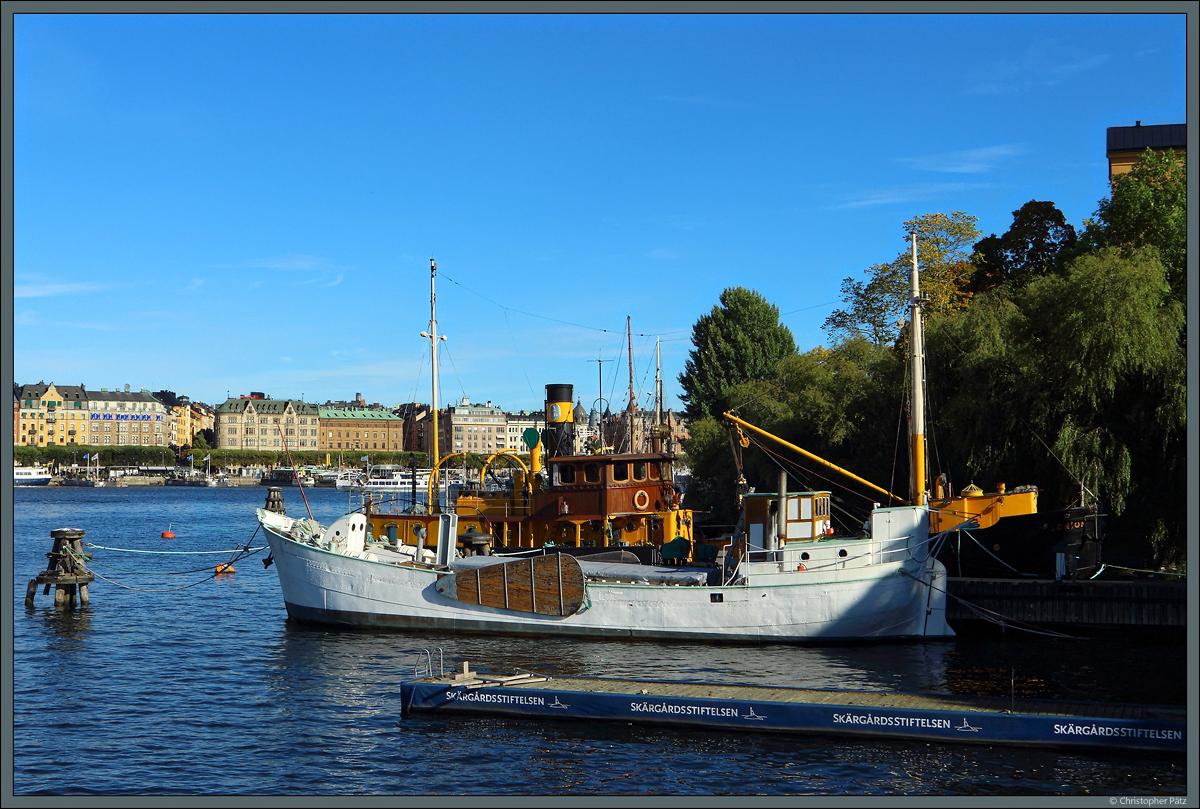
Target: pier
{"points": [[1107, 604], [939, 718]]}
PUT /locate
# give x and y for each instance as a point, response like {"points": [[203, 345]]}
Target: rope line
{"points": [[169, 553], [1105, 566], [235, 555], [989, 615]]}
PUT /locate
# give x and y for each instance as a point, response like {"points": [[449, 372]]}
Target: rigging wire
{"points": [[519, 354], [790, 465], [456, 376]]}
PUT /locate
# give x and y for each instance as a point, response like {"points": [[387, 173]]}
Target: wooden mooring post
{"points": [[65, 570]]}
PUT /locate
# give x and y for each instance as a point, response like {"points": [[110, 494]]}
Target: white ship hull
{"points": [[873, 592], [31, 476]]}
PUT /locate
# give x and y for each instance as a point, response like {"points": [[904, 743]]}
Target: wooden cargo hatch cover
{"points": [[544, 585]]}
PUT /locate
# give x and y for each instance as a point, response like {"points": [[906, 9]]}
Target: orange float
{"points": [[225, 568]]}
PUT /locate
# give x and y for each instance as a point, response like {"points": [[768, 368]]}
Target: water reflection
{"points": [[64, 624]]}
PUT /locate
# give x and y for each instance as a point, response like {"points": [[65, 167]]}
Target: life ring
{"points": [[641, 500]]}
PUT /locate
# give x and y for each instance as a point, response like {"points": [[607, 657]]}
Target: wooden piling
{"points": [[65, 569]]}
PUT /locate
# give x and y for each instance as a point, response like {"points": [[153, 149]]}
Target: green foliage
{"points": [[713, 485], [1032, 246], [1082, 369], [741, 339], [876, 309], [1148, 208]]}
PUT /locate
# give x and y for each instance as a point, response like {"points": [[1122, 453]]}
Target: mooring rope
{"points": [[235, 555], [1105, 566], [985, 614], [171, 553]]}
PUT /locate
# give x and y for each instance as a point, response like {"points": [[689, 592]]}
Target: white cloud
{"points": [[967, 161], [49, 290], [1044, 64], [903, 194]]}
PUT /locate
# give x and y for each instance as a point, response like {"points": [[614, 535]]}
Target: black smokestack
{"points": [[559, 435]]}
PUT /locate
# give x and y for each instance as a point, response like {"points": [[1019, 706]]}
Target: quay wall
{"points": [[1103, 603]]}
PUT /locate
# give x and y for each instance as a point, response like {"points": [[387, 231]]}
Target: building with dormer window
{"points": [[267, 424]]}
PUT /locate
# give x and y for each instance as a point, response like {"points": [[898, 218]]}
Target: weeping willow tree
{"points": [[1075, 379]]}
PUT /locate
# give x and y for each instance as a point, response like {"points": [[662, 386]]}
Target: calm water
{"points": [[174, 682]]}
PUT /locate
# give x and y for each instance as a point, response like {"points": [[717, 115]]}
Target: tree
{"points": [[876, 309], [1082, 369], [741, 339], [1148, 208], [1031, 247], [871, 312]]}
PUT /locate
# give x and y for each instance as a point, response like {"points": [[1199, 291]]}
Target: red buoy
{"points": [[167, 534]]}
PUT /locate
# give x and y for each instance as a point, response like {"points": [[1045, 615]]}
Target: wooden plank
{"points": [[543, 585]]}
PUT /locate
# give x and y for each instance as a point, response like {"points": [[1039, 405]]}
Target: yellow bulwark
{"points": [[978, 508]]}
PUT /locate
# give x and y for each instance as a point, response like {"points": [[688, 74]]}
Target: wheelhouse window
{"points": [[591, 472], [620, 471], [565, 472], [639, 470]]}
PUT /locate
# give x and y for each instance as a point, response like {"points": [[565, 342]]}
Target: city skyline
{"points": [[217, 204]]}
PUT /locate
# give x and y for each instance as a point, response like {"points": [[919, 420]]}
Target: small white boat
{"points": [[31, 476], [383, 479]]}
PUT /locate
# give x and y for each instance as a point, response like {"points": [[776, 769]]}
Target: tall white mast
{"points": [[657, 381], [920, 494], [433, 347]]}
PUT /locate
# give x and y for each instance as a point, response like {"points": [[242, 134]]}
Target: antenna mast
{"points": [[600, 401]]}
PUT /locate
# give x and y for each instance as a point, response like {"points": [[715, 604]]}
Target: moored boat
{"points": [[31, 476], [384, 479], [601, 546], [285, 476]]}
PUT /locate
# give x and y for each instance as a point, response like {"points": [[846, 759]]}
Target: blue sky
{"points": [[219, 204]]}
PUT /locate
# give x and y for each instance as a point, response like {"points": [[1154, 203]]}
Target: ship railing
{"points": [[873, 553]]}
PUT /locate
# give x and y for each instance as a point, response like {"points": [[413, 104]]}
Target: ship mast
{"points": [[629, 348], [433, 347], [920, 493], [657, 443]]}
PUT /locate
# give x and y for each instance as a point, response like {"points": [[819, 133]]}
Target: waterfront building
{"points": [[250, 422], [418, 426], [49, 415], [64, 415], [481, 429], [517, 423], [360, 428], [1125, 144], [125, 418]]}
